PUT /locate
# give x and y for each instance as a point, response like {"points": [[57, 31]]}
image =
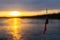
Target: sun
{"points": [[15, 13]]}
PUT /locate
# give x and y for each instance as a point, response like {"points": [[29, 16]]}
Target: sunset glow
{"points": [[26, 13], [15, 13]]}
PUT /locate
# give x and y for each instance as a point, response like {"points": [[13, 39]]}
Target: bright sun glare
{"points": [[15, 13]]}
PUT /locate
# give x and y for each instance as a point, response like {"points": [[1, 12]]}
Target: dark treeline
{"points": [[49, 16]]}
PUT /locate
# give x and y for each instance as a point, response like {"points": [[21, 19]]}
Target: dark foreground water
{"points": [[28, 29]]}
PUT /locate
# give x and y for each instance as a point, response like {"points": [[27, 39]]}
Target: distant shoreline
{"points": [[50, 16]]}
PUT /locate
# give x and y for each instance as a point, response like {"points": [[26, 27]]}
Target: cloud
{"points": [[29, 5]]}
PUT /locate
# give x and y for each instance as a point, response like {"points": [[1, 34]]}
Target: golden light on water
{"points": [[14, 26], [15, 29], [15, 13]]}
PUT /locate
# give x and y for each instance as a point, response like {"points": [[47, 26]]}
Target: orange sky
{"points": [[28, 13]]}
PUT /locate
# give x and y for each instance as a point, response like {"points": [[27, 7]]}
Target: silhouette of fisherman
{"points": [[46, 22]]}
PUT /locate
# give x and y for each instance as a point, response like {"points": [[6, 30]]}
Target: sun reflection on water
{"points": [[14, 27]]}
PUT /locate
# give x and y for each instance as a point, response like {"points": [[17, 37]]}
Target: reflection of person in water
{"points": [[45, 27]]}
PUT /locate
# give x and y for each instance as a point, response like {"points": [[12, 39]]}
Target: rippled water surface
{"points": [[28, 29]]}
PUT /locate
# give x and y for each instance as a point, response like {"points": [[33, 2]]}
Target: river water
{"points": [[28, 29]]}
